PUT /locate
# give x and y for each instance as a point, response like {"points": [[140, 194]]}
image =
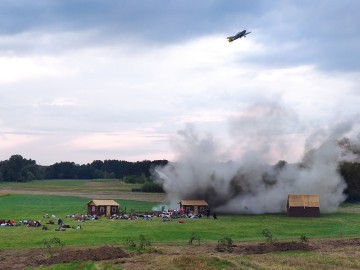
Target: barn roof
{"points": [[194, 202], [103, 202], [302, 200]]}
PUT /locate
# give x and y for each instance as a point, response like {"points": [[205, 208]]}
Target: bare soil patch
{"points": [[329, 245], [103, 183], [272, 247], [19, 259], [94, 254], [318, 245]]}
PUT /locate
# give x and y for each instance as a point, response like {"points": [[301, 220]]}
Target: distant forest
{"points": [[19, 169]]}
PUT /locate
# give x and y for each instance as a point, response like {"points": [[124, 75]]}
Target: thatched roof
{"points": [[103, 202], [302, 200], [194, 202]]}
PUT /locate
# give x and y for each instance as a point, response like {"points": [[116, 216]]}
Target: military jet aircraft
{"points": [[238, 35]]}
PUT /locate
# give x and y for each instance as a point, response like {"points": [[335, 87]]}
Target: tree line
{"points": [[19, 169]]}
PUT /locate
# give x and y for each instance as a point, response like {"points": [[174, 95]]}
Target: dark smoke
{"points": [[248, 184]]}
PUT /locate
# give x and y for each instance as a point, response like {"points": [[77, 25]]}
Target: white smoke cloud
{"points": [[248, 183]]}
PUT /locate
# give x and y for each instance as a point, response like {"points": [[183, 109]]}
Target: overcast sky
{"points": [[87, 80]]}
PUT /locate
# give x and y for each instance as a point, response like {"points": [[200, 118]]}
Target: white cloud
{"points": [[11, 142], [127, 90], [15, 68]]}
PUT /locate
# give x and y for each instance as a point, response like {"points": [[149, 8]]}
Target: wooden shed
{"points": [[194, 206], [301, 205], [102, 207]]}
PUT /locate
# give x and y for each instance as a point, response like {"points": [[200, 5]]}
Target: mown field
{"points": [[343, 224], [97, 184], [98, 188], [106, 231]]}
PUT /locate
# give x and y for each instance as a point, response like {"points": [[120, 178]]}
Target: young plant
{"points": [[53, 245], [130, 242], [304, 239], [144, 242], [268, 235], [194, 237]]}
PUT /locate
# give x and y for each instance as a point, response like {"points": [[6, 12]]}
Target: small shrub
{"points": [[130, 242], [152, 187], [141, 246], [304, 239], [144, 242], [225, 244], [268, 235], [52, 245], [194, 237]]}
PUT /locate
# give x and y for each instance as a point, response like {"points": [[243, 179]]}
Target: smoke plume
{"points": [[244, 175]]}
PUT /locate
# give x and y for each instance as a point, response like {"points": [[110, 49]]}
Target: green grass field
{"points": [[345, 223], [96, 184], [105, 231]]}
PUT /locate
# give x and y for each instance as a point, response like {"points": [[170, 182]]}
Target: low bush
{"points": [[225, 244], [268, 235], [194, 237]]}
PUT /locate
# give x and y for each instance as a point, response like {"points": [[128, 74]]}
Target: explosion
{"points": [[247, 183]]}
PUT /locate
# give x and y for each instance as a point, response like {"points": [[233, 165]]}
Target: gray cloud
{"points": [[76, 67], [322, 33], [248, 184], [162, 19]]}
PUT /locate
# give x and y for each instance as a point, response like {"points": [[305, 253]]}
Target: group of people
{"points": [[82, 217], [164, 215], [38, 223], [31, 223], [189, 214], [49, 216], [63, 226], [128, 217], [8, 222]]}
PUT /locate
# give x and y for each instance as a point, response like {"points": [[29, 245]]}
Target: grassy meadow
{"points": [[345, 223], [87, 185], [97, 188], [106, 231]]}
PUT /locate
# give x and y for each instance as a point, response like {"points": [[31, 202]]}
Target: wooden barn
{"points": [[102, 207], [300, 205], [194, 206]]}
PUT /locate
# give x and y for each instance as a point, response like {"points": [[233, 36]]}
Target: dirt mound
{"points": [[94, 254], [321, 245], [90, 254], [20, 259], [326, 245], [272, 247]]}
